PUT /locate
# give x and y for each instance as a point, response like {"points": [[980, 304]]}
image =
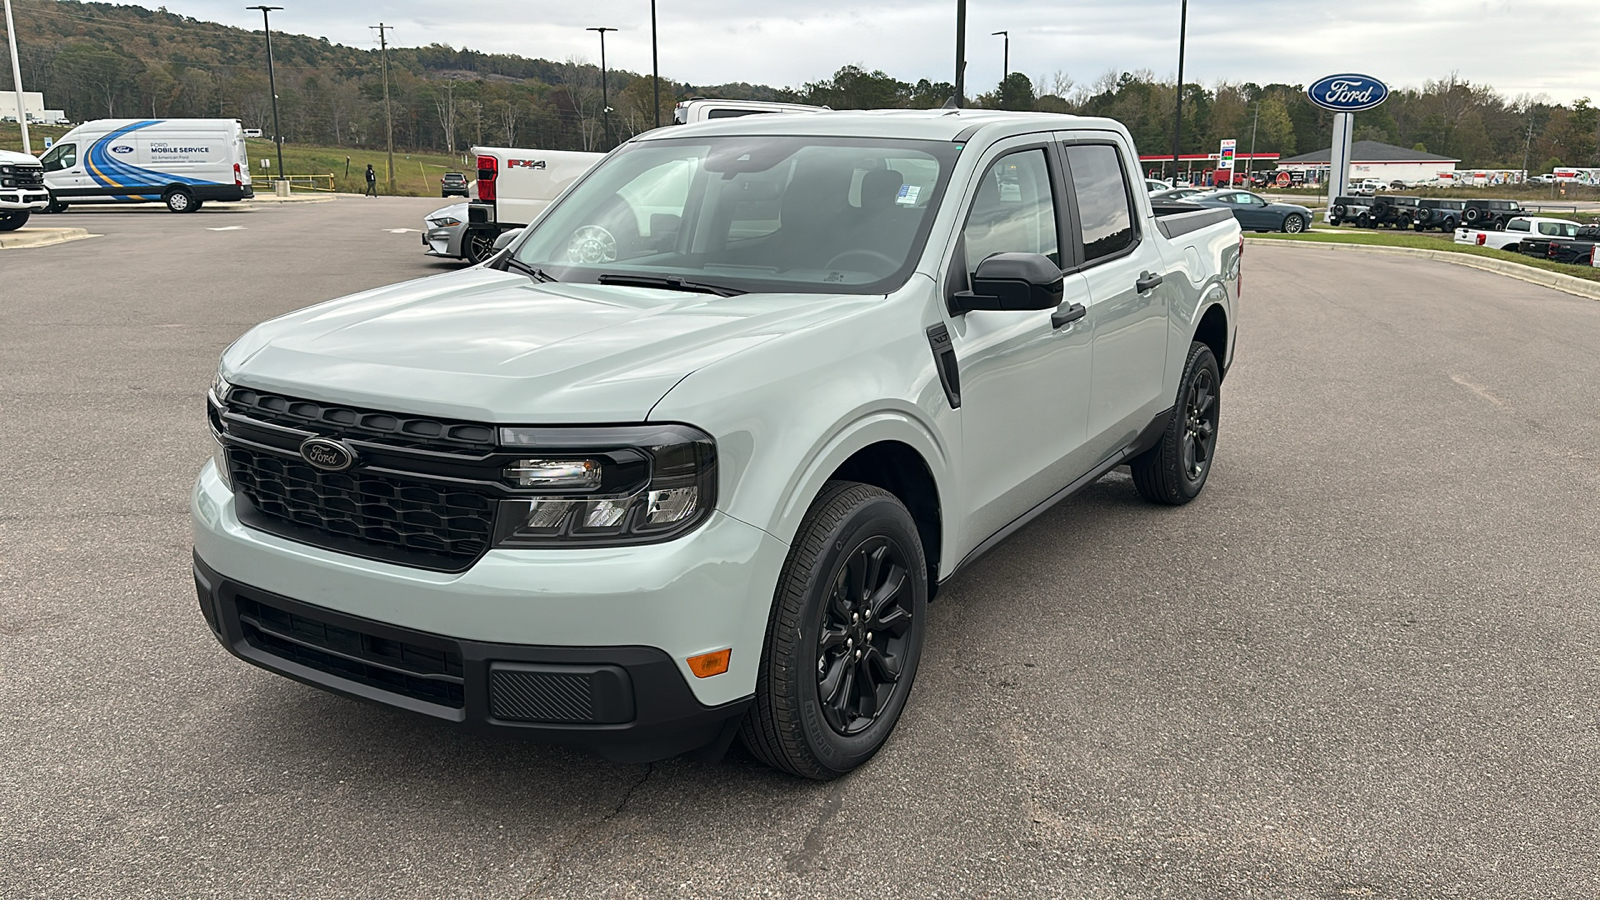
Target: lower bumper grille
{"points": [[422, 673]]}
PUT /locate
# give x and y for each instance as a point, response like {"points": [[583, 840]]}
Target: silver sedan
{"points": [[444, 230]]}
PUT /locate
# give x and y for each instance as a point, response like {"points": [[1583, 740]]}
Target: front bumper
{"points": [[642, 611]]}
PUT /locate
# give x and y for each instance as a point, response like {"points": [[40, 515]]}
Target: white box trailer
{"points": [[180, 162]]}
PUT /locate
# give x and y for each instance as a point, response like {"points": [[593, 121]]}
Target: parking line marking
{"points": [[1481, 392], [228, 228]]}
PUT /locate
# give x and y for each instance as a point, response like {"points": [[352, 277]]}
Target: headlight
{"points": [[606, 486], [444, 222], [219, 453]]}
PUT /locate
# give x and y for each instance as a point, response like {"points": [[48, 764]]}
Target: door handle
{"points": [[1066, 314], [1148, 281]]}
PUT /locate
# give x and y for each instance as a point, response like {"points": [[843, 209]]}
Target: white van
{"points": [[180, 162]]}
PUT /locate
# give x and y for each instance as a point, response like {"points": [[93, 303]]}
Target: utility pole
{"points": [[272, 84], [961, 53], [655, 63], [388, 114], [1177, 125], [1528, 144], [605, 93], [1005, 71], [1250, 167], [16, 80]]}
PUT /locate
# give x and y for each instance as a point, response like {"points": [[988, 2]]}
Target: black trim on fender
{"points": [[944, 360], [633, 706]]}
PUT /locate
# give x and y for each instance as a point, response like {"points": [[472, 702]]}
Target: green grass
{"points": [[415, 174], [1425, 242]]}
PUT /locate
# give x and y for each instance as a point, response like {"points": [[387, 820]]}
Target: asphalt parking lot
{"points": [[1363, 664]]}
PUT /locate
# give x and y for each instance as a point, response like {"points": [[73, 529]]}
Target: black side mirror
{"points": [[1012, 281]]}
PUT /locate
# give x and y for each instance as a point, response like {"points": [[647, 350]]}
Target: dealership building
{"points": [[1374, 159]]}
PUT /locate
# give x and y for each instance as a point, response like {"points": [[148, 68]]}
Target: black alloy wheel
{"points": [[844, 636], [1174, 471], [865, 635], [480, 245]]}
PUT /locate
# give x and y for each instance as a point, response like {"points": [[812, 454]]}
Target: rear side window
{"points": [[1517, 225], [1105, 212]]}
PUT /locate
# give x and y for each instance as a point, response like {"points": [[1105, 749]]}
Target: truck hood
{"points": [[490, 346], [11, 158]]}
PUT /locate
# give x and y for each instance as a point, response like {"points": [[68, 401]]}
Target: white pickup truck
{"points": [[685, 462], [22, 190], [1517, 231], [515, 185]]}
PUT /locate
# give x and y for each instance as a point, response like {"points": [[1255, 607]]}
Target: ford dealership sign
{"points": [[1348, 93]]}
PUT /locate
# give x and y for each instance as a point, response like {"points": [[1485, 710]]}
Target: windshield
{"points": [[769, 214]]}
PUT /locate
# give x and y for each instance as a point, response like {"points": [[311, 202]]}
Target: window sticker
{"points": [[908, 195]]}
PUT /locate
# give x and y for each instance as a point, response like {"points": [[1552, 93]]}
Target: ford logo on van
{"points": [[1348, 93], [122, 148], [327, 455]]}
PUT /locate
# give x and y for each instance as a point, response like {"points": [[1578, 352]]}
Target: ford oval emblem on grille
{"points": [[327, 454]]}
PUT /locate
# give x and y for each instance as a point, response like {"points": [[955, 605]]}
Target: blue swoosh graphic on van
{"points": [[110, 172]]}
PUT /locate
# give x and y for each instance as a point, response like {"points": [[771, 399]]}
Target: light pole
{"points": [[961, 53], [16, 81], [1177, 125], [605, 93], [655, 64], [1250, 167], [272, 84], [1005, 71]]}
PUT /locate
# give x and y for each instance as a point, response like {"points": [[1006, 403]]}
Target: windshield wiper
{"points": [[534, 272], [669, 282]]}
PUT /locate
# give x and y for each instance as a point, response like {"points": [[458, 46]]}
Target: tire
{"points": [[55, 206], [13, 220], [1334, 221], [1294, 223], [1364, 221], [854, 545], [1471, 215], [478, 245], [179, 200], [1174, 471]]}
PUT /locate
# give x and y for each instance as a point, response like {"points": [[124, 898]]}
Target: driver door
{"points": [[1024, 381], [64, 172]]}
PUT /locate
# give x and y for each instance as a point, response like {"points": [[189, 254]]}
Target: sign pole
{"points": [[1339, 157]]}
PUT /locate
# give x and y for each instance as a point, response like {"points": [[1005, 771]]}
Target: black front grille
{"points": [[29, 177], [417, 523], [392, 429], [430, 674]]}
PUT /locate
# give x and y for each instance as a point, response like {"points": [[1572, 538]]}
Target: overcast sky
{"points": [[1517, 46]]}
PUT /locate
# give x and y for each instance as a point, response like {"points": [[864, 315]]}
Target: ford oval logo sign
{"points": [[122, 148], [1348, 93], [327, 454]]}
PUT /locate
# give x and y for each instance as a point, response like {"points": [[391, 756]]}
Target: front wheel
{"points": [[1294, 224], [1175, 469], [13, 220], [479, 245], [844, 636]]}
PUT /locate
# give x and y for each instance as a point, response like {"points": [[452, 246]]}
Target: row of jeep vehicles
{"points": [[1423, 213]]}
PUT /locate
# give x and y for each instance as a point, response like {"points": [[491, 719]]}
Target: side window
{"points": [[1105, 213], [1517, 225], [1014, 210], [61, 156]]}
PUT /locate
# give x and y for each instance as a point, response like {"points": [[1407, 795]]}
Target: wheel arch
{"points": [[1213, 332]]}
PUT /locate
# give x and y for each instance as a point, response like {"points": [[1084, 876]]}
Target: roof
{"points": [[913, 124], [1371, 152]]}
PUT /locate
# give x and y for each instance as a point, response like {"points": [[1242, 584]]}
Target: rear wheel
{"points": [[1175, 469], [844, 636], [179, 200], [11, 221]]}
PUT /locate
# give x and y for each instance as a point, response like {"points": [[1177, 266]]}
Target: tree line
{"points": [[97, 60]]}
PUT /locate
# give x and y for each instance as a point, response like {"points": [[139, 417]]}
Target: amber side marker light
{"points": [[708, 664]]}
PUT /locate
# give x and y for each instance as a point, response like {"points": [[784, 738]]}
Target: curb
{"points": [[304, 198], [25, 238], [1578, 287]]}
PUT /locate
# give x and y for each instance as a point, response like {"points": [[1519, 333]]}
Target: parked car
{"points": [[1155, 186], [444, 231], [252, 132], [183, 163], [1171, 194], [1369, 187], [1355, 210], [22, 190], [1518, 231], [453, 184], [1577, 250], [1441, 215], [1393, 211], [647, 493], [1256, 213], [1490, 214]]}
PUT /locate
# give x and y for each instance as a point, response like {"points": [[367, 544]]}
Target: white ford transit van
{"points": [[181, 162]]}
